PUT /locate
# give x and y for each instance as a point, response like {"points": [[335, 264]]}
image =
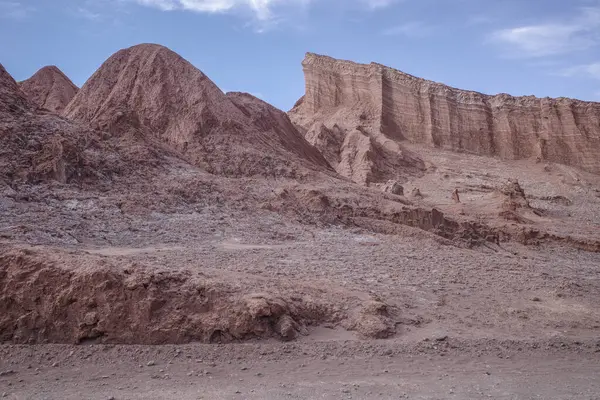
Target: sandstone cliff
{"points": [[149, 90], [49, 88], [390, 107]]}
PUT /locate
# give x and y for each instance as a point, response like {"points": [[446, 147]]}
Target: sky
{"points": [[522, 47]]}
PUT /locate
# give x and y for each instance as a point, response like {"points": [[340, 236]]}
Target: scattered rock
{"points": [[416, 193], [373, 321], [393, 187]]}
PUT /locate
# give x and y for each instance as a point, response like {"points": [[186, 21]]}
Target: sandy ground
{"points": [[507, 321], [315, 370]]}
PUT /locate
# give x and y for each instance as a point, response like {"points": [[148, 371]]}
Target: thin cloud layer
{"points": [[412, 29], [262, 9], [15, 9], [553, 38], [583, 71], [375, 4]]}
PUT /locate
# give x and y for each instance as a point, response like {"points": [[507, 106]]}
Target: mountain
{"points": [[151, 91], [380, 107], [49, 88]]}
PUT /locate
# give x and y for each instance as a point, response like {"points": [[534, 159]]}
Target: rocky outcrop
{"points": [[515, 206], [150, 91], [49, 88], [392, 107], [394, 188]]}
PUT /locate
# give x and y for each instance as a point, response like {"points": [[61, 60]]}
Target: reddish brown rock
{"points": [[277, 125], [393, 107], [455, 196], [12, 99], [150, 91], [37, 145], [49, 88]]}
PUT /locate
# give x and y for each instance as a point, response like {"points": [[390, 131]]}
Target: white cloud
{"points": [[15, 10], [262, 9], [553, 38], [86, 13]]}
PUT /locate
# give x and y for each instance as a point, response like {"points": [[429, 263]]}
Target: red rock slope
{"points": [[49, 88], [151, 91], [37, 145]]}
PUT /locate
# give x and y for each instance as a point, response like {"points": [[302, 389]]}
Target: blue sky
{"points": [[540, 47]]}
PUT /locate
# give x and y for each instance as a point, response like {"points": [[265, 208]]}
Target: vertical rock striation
{"points": [[393, 106]]}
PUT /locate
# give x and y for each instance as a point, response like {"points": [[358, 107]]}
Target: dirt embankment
{"points": [[60, 297]]}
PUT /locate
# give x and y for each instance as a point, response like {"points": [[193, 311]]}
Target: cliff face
{"points": [[49, 88], [394, 106]]}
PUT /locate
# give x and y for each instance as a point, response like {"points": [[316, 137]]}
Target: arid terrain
{"points": [[161, 239]]}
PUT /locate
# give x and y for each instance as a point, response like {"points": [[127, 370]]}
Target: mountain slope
{"points": [[49, 88], [37, 145], [151, 91]]}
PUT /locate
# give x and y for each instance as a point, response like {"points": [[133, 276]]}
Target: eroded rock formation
{"points": [[150, 91], [390, 107]]}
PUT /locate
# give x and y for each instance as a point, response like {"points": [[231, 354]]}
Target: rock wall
{"points": [[402, 107]]}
